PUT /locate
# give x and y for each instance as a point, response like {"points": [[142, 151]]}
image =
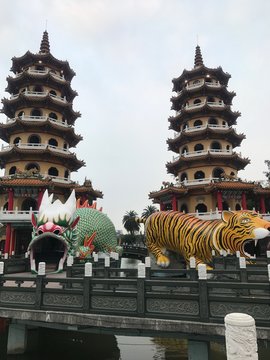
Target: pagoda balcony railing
{"points": [[199, 84], [38, 118], [203, 152], [8, 216], [196, 181], [58, 179], [40, 94], [201, 127], [42, 72], [35, 146], [201, 104]]}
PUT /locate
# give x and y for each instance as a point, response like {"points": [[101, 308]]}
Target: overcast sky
{"points": [[125, 54]]}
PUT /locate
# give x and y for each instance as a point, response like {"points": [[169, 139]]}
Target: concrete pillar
{"points": [[198, 350], [241, 338], [17, 339]]}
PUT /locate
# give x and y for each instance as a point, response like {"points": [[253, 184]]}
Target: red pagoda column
{"points": [[244, 201], [174, 203], [8, 228], [219, 200], [262, 205]]}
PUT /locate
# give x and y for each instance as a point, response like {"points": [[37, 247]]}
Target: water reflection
{"points": [[48, 344]]}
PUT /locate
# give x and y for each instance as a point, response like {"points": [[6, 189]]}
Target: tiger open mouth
{"points": [[249, 248], [49, 248]]}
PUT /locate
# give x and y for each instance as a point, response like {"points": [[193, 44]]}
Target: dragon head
{"points": [[54, 235]]}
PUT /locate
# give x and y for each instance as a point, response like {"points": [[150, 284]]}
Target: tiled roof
{"points": [[27, 181]]}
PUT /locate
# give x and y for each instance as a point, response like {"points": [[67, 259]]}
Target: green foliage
{"points": [[267, 173], [130, 223], [150, 209]]}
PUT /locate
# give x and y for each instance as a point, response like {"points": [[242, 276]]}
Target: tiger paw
{"points": [[163, 261]]}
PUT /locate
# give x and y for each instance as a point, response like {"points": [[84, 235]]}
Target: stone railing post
{"points": [[39, 284], [141, 289], [203, 292], [88, 273], [240, 335], [147, 262]]}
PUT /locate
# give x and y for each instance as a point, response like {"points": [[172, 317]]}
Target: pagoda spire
{"points": [[198, 57], [45, 45]]}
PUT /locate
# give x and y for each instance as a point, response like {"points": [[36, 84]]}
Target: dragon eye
{"points": [[40, 232], [245, 221]]}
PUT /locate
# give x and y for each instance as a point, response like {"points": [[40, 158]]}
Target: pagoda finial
{"points": [[45, 45], [198, 57]]}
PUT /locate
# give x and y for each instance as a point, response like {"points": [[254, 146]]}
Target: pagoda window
{"points": [[32, 166], [53, 142], [224, 123], [184, 150], [53, 115], [196, 82], [41, 68], [225, 205], [66, 175], [38, 88], [53, 93], [211, 99], [28, 204], [197, 101], [232, 173], [201, 208], [237, 207], [12, 170], [36, 112], [5, 207], [53, 171], [21, 114], [65, 146], [17, 140], [198, 123], [208, 80], [199, 175], [183, 177], [34, 139], [212, 121], [228, 147], [198, 147], [215, 145], [184, 208], [218, 172]]}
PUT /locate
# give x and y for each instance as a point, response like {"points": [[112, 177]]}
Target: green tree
{"points": [[267, 173], [150, 209], [130, 223]]}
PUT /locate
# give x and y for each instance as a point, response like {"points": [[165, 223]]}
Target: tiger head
{"points": [[239, 229]]}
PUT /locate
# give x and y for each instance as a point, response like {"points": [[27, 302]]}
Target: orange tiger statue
{"points": [[193, 237]]}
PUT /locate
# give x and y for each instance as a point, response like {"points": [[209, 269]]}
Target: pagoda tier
{"points": [[204, 89], [43, 100], [206, 110], [43, 59], [210, 157], [200, 71], [39, 153], [40, 77], [205, 132], [42, 125]]}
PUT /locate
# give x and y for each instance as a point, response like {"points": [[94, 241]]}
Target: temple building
{"points": [[39, 135], [206, 164]]}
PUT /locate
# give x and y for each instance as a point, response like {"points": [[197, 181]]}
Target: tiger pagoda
{"points": [[39, 135], [206, 165]]}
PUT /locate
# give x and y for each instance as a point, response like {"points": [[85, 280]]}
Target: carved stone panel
{"points": [[258, 311], [114, 303], [164, 306], [65, 300], [17, 297]]}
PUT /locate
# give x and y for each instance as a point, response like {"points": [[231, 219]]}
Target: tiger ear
{"points": [[226, 215]]}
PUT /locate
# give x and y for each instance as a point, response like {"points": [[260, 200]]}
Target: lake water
{"points": [[48, 344]]}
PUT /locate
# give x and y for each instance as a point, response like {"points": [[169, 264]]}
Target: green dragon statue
{"points": [[61, 229]]}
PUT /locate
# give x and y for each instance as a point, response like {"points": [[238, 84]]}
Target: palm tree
{"points": [[129, 222], [150, 209]]}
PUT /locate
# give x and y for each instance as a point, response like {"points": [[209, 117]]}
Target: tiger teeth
{"points": [[256, 241]]}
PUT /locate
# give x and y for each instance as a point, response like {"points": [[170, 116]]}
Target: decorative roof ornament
{"points": [[198, 57], [45, 45]]}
